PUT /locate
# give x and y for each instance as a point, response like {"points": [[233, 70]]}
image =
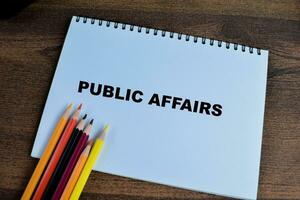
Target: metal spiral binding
{"points": [[164, 33]]}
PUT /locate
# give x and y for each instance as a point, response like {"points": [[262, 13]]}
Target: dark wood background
{"points": [[31, 42]]}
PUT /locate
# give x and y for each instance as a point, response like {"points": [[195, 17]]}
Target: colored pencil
{"points": [[64, 160], [70, 166], [76, 172], [97, 147], [46, 154], [56, 155]]}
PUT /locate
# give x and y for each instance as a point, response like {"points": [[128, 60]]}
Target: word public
{"points": [[136, 96]]}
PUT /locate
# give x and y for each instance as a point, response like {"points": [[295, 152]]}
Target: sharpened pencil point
{"points": [[70, 106], [68, 111], [79, 107], [91, 142], [91, 122], [103, 132], [106, 127], [84, 117]]}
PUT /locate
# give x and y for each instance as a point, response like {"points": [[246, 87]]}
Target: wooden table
{"points": [[31, 43]]}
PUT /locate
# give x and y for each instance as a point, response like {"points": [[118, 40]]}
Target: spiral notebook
{"points": [[184, 111]]}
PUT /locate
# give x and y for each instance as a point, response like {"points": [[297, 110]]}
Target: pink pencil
{"points": [[70, 166]]}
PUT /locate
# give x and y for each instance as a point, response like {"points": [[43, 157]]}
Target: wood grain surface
{"points": [[31, 43]]}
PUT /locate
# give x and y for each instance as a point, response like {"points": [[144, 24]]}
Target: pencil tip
{"points": [[70, 106], [104, 131], [84, 117], [90, 142], [106, 127], [91, 122], [79, 107]]}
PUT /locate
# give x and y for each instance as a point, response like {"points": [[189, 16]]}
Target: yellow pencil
{"points": [[46, 154], [76, 172], [97, 147]]}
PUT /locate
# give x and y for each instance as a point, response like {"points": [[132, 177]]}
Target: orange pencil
{"points": [[46, 154], [76, 172], [57, 154]]}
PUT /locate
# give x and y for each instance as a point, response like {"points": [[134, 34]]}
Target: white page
{"points": [[192, 150]]}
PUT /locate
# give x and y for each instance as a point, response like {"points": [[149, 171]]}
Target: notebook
{"points": [[184, 111]]}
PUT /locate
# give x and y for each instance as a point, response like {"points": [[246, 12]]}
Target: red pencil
{"points": [[70, 166], [56, 154]]}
